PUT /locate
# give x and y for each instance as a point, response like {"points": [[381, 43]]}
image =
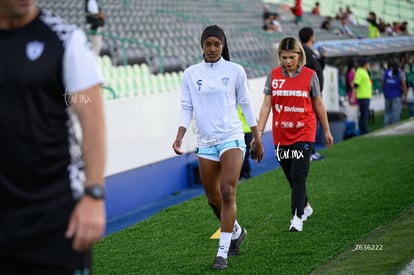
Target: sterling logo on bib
{"points": [[34, 50]]}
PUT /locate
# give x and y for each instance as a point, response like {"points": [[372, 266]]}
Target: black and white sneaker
{"points": [[220, 263], [234, 249]]}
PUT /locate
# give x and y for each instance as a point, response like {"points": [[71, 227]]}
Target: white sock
{"points": [[236, 231], [224, 244]]}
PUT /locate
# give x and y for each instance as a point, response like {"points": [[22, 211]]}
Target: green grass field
{"points": [[364, 185]]}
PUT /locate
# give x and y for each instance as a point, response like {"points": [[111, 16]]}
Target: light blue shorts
{"points": [[214, 152]]}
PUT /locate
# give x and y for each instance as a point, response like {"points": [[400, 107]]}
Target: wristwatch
{"points": [[96, 191]]}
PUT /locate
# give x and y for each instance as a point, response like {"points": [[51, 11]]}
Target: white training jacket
{"points": [[212, 91]]}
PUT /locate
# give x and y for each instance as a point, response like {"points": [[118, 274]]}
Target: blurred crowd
{"points": [[376, 27]]}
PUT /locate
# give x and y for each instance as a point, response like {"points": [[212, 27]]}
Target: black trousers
{"points": [[36, 244], [294, 160]]}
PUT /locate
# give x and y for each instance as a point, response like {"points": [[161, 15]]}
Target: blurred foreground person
{"points": [[51, 184]]}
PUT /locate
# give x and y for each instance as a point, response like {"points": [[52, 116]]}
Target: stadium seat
{"points": [[173, 28], [170, 64], [106, 49]]}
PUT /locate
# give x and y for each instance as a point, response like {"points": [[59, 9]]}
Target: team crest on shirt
{"points": [[225, 81], [34, 49]]}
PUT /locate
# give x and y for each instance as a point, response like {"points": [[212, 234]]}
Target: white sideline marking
{"points": [[406, 127], [408, 270]]}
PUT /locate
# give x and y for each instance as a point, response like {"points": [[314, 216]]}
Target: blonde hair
{"points": [[291, 44]]}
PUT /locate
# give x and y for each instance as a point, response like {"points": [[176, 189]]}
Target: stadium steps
{"points": [[171, 30]]}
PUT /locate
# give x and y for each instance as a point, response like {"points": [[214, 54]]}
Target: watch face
{"points": [[96, 191]]}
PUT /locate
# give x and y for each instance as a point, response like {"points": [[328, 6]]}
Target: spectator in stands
{"points": [[276, 23], [344, 29], [381, 25], [363, 86], [373, 29], [350, 16], [248, 137], [52, 208], [395, 92], [316, 10], [220, 137], [95, 21], [268, 25], [404, 27], [396, 27], [316, 63], [389, 30], [327, 23], [266, 12], [272, 24], [294, 121], [350, 87], [285, 11], [340, 14], [297, 11]]}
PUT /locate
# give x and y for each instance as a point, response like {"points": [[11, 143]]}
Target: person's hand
{"points": [[177, 147], [328, 138], [352, 99], [322, 52], [87, 223], [256, 150]]}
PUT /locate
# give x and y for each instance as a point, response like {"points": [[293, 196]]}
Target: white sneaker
{"points": [[296, 224], [307, 212], [316, 156]]}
